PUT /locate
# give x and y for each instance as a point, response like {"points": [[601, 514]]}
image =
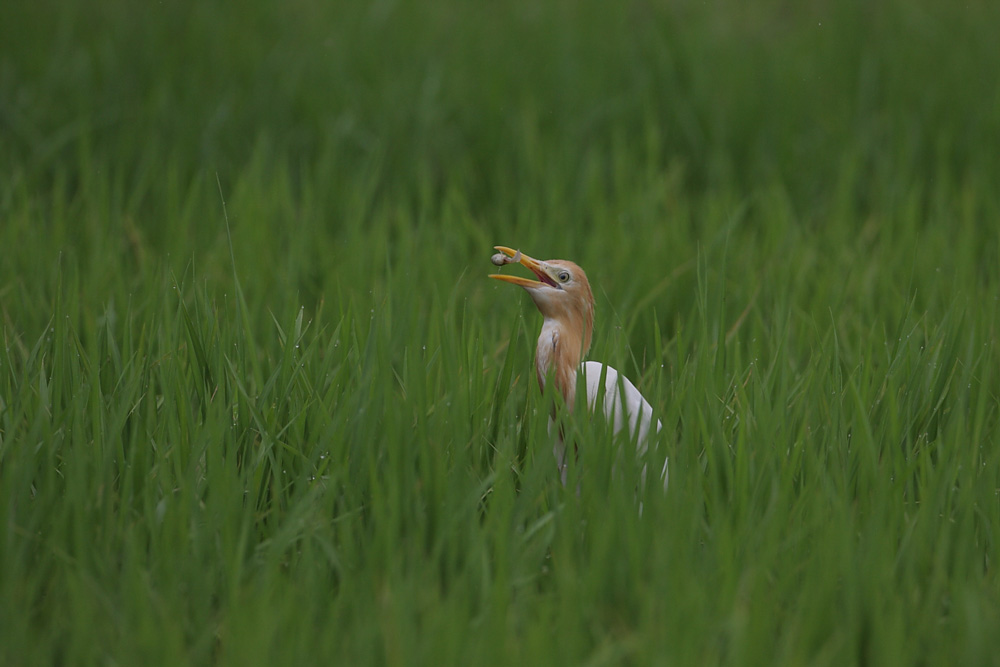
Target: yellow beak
{"points": [[537, 267]]}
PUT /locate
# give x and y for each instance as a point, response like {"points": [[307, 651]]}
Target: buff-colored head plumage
{"points": [[563, 296]]}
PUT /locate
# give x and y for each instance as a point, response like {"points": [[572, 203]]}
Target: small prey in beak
{"points": [[500, 259]]}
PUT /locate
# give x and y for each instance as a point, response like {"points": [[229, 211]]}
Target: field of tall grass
{"points": [[259, 403]]}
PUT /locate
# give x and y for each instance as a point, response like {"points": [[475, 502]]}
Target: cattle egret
{"points": [[563, 296]]}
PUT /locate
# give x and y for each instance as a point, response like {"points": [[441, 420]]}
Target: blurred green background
{"points": [[518, 114], [519, 123], [244, 249]]}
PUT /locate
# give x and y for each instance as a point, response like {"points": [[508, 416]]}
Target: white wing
{"points": [[637, 411], [619, 392], [617, 387]]}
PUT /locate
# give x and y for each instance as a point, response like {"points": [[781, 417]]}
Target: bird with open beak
{"points": [[563, 296]]}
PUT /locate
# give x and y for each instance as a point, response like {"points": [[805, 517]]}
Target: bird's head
{"points": [[561, 292]]}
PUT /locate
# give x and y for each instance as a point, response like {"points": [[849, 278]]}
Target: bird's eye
{"points": [[564, 276]]}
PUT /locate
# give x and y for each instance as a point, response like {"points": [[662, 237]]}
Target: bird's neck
{"points": [[561, 347]]}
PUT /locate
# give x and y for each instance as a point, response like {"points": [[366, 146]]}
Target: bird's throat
{"points": [[558, 356]]}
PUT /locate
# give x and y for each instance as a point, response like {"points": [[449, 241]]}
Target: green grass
{"points": [[259, 403]]}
